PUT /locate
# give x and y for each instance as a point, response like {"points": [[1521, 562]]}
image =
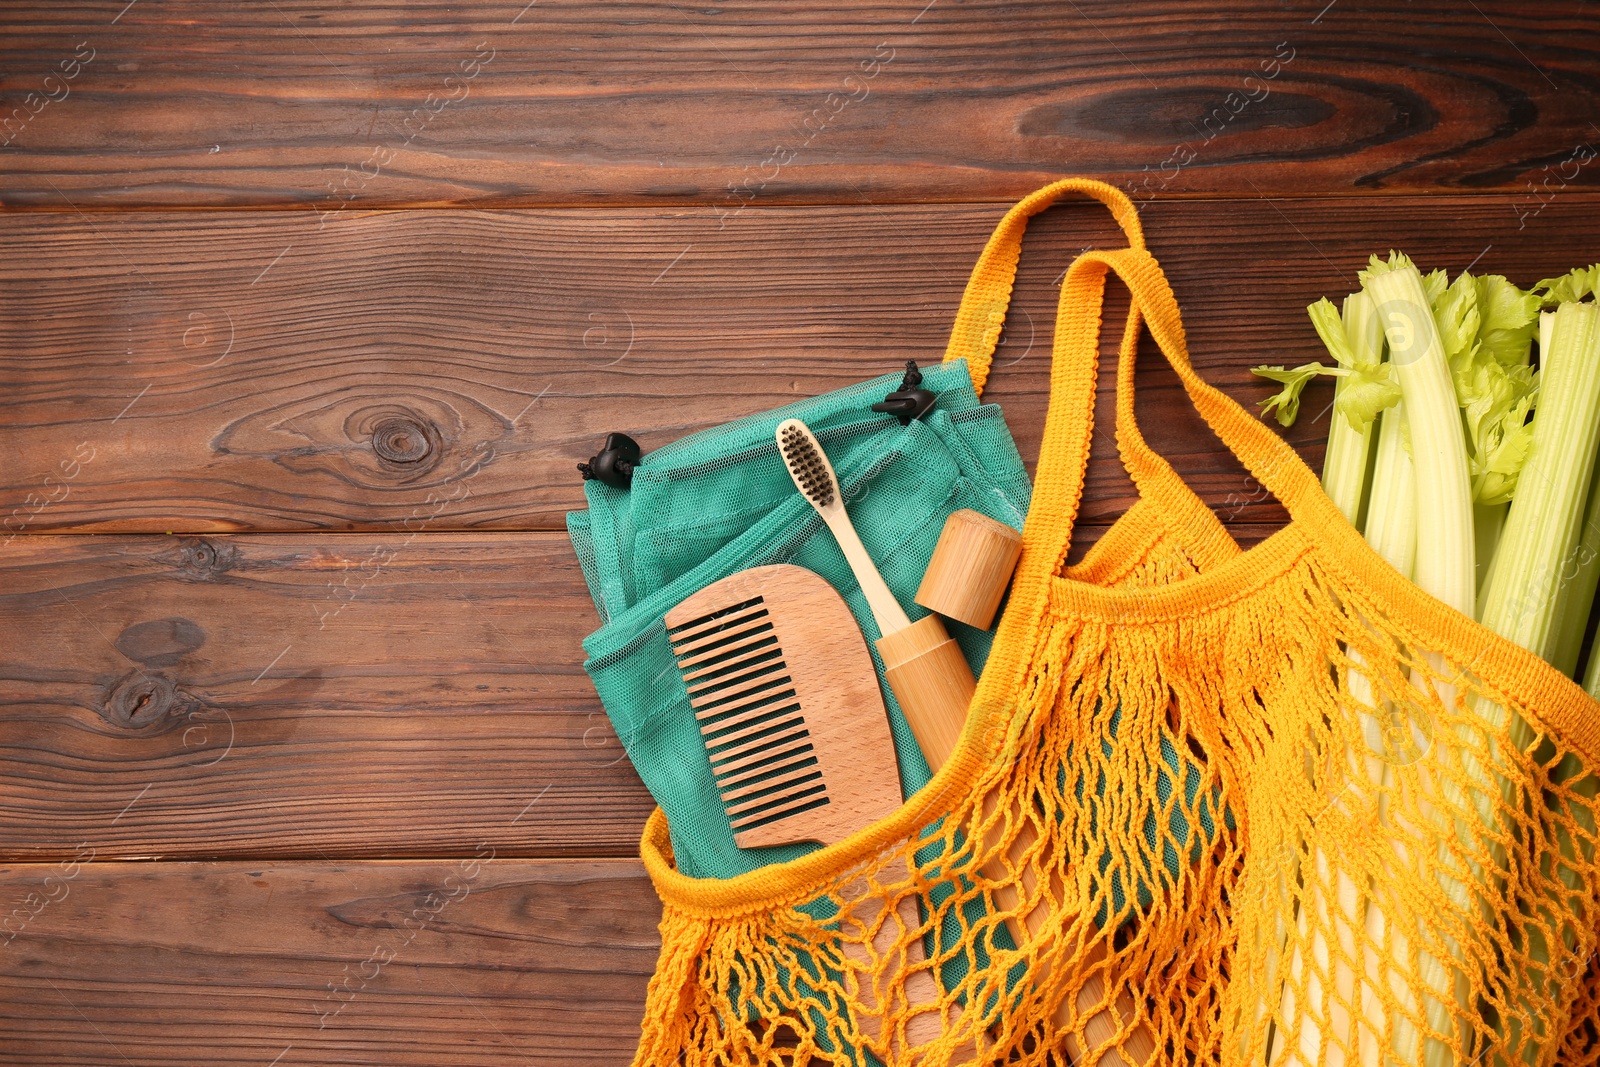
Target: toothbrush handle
{"points": [[890, 617]]}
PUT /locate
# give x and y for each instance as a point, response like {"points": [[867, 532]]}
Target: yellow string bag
{"points": [[1253, 806]]}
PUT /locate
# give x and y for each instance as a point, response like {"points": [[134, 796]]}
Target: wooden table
{"points": [[309, 310]]}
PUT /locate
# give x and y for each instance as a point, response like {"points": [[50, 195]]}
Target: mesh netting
{"points": [[1211, 806], [1384, 860]]}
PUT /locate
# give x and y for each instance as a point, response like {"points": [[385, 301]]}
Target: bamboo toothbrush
{"points": [[934, 685], [788, 705], [924, 666]]}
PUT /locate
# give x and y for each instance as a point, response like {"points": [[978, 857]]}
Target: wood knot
{"points": [[145, 698], [368, 438], [403, 441], [201, 558], [207, 559]]}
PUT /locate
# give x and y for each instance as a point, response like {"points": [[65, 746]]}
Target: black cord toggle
{"points": [[909, 401], [615, 462]]}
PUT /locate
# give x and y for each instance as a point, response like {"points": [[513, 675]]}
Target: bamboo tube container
{"points": [[970, 568], [933, 683]]}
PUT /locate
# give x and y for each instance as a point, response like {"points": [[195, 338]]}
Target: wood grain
{"points": [[970, 568], [344, 651], [200, 372], [479, 962], [327, 106], [314, 696], [233, 696]]}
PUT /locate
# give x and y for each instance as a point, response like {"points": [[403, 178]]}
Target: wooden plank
{"points": [[326, 105], [300, 695], [307, 695], [478, 962], [413, 370]]}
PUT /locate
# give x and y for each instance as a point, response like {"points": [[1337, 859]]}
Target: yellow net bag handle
{"points": [[1064, 452], [982, 314]]}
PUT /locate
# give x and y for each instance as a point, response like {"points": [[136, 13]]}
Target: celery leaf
{"points": [[1570, 287], [1366, 391], [1286, 403], [1510, 318]]}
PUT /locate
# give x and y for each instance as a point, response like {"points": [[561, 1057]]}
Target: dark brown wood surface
{"points": [[518, 104], [277, 695], [436, 370], [290, 634], [481, 961]]}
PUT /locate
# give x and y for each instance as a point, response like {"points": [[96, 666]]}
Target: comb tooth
{"points": [[799, 807], [713, 720], [746, 677], [717, 719], [696, 640], [731, 768], [770, 800], [733, 738], [715, 699], [737, 647], [730, 735], [785, 779], [745, 659], [693, 640], [700, 644], [712, 616], [727, 652], [736, 771], [756, 729], [770, 781], [762, 814], [770, 704], [761, 686], [738, 813]]}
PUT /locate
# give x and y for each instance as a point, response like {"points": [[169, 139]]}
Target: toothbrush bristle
{"points": [[806, 464]]}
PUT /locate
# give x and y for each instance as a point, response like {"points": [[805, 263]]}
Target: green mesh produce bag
{"points": [[720, 501]]}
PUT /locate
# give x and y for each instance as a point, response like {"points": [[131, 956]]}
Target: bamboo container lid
{"points": [[970, 568]]}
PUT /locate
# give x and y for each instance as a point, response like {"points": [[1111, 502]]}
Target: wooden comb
{"points": [[787, 701]]}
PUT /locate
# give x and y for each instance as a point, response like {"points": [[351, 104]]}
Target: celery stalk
{"points": [[1391, 530], [1447, 569], [1356, 402], [1391, 527], [1487, 522], [1539, 549], [1444, 495], [1354, 340], [1576, 596], [1541, 537], [1344, 467]]}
